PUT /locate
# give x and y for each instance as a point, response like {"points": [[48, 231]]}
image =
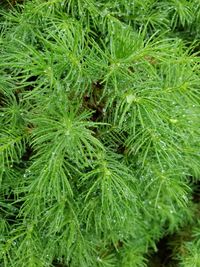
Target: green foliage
{"points": [[99, 136]]}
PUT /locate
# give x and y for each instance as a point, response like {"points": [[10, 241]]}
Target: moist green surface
{"points": [[99, 133]]}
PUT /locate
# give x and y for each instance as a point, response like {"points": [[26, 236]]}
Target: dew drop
{"points": [[99, 259]]}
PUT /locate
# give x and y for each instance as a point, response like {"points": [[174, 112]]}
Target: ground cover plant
{"points": [[99, 133]]}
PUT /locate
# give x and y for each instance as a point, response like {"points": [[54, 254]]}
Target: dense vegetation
{"points": [[99, 133]]}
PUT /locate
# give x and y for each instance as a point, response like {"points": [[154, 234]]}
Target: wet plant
{"points": [[99, 136]]}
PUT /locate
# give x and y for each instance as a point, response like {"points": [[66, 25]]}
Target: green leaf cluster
{"points": [[99, 130]]}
